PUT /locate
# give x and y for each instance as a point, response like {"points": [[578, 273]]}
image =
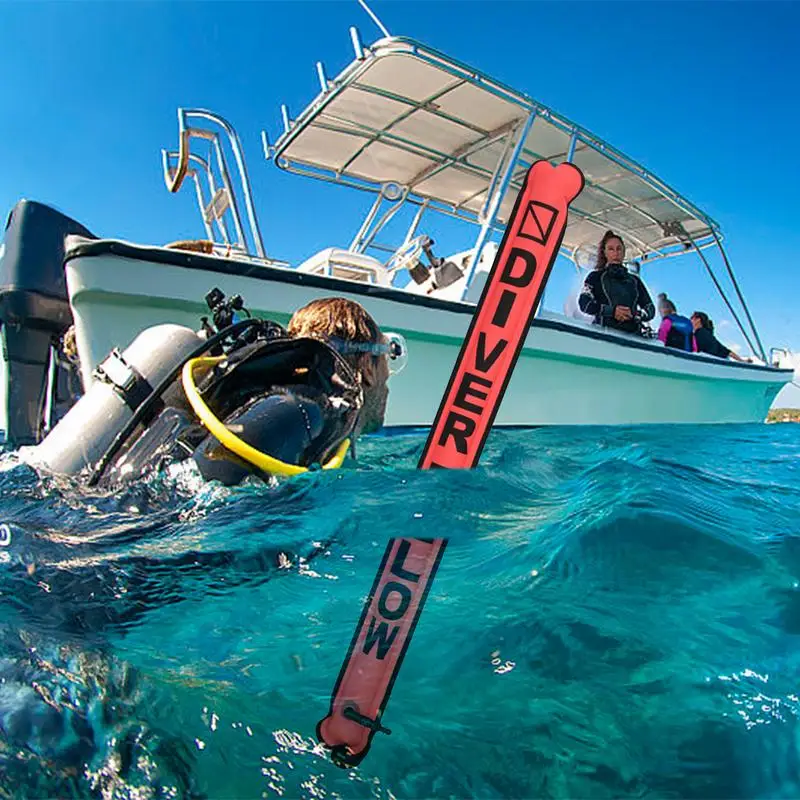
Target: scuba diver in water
{"points": [[611, 294], [302, 423], [240, 398], [250, 398], [246, 397]]}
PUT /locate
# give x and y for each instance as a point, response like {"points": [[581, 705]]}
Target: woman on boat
{"points": [[611, 294], [706, 342], [675, 330]]}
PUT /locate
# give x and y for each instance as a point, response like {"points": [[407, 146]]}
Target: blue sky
{"points": [[706, 95]]}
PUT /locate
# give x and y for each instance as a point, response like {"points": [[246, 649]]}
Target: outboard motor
{"points": [[34, 313]]}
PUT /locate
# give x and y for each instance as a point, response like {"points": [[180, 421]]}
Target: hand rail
{"points": [[174, 177]]}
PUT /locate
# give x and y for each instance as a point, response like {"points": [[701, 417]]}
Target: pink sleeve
{"points": [[664, 329]]}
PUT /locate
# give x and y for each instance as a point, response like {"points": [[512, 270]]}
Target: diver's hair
{"points": [[705, 322], [336, 317], [665, 302], [70, 346], [601, 262]]}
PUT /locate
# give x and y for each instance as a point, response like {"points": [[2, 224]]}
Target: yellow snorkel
{"points": [[218, 430]]}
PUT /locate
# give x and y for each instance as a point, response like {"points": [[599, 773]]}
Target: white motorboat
{"points": [[434, 139]]}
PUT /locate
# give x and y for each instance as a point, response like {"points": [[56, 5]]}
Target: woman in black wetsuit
{"points": [[708, 343], [615, 297]]}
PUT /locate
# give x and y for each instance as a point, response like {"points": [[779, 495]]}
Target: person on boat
{"points": [[611, 294], [706, 342], [675, 330]]}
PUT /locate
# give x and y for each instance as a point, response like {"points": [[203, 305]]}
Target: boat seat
{"points": [[336, 262]]}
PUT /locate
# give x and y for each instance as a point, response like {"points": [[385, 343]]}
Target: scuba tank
{"points": [[245, 399], [123, 381]]}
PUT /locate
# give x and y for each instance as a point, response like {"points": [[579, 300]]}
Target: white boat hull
{"points": [[569, 372]]}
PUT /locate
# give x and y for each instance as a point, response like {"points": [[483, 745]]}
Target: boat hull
{"points": [[568, 373]]}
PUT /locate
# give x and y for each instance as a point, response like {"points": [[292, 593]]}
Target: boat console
{"points": [[335, 262]]}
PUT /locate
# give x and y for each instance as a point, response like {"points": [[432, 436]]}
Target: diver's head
{"points": [[611, 250], [666, 306], [348, 327], [701, 320]]}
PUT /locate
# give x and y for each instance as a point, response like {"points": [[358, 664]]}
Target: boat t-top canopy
{"points": [[413, 125], [459, 142]]}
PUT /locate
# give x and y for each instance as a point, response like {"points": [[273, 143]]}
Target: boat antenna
{"points": [[375, 19]]}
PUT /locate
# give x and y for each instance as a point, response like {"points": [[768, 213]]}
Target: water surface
{"points": [[617, 615]]}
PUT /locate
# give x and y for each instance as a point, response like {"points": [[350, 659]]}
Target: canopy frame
{"points": [[515, 137]]}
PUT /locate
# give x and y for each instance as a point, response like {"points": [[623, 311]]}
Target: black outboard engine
{"points": [[34, 314]]}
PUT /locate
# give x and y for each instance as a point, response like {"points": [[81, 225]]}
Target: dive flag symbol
{"points": [[537, 224]]}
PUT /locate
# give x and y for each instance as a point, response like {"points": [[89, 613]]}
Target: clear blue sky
{"points": [[706, 95]]}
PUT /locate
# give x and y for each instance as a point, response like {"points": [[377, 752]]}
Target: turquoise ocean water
{"points": [[617, 614]]}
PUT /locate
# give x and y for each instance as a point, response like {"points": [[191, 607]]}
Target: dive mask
{"points": [[394, 347]]}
